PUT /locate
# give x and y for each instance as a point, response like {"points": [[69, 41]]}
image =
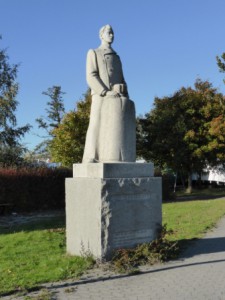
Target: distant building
{"points": [[216, 174]]}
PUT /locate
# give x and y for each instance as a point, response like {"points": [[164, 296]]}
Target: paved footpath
{"points": [[198, 274]]}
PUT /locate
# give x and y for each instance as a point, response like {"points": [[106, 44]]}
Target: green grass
{"points": [[34, 256], [35, 253], [191, 219]]}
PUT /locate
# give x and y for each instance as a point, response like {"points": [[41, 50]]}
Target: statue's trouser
{"points": [[91, 144], [111, 135]]}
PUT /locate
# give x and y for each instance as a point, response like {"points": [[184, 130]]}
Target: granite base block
{"points": [[113, 170]]}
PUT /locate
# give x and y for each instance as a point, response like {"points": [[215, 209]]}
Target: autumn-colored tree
{"points": [[217, 132], [185, 131], [67, 145]]}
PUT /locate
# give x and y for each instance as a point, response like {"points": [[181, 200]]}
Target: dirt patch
{"points": [[15, 219]]}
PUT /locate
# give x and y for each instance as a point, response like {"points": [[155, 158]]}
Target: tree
{"points": [[55, 111], [181, 132], [68, 143], [221, 63], [10, 135]]}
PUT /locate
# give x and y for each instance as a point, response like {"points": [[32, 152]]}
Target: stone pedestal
{"points": [[111, 206]]}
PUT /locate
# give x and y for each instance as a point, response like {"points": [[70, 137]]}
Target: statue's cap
{"points": [[103, 28]]}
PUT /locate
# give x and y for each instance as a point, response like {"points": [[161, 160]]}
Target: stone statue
{"points": [[111, 132]]}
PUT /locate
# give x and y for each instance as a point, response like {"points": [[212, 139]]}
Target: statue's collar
{"points": [[106, 50]]}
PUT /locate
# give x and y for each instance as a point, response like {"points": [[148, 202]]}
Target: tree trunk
{"points": [[182, 180], [175, 183], [189, 188], [199, 180]]}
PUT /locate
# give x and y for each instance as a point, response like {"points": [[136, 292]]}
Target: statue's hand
{"points": [[112, 93]]}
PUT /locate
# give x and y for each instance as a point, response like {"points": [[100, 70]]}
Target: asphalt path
{"points": [[198, 274]]}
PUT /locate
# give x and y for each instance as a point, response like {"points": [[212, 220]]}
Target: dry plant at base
{"points": [[159, 250]]}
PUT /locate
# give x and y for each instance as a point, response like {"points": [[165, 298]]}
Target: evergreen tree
{"points": [[55, 110], [54, 113], [221, 63], [10, 148]]}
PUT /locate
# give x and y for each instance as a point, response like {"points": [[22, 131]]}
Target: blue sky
{"points": [[163, 45]]}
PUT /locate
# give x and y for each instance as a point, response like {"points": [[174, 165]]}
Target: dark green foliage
{"points": [[11, 156], [159, 250], [29, 189], [10, 148]]}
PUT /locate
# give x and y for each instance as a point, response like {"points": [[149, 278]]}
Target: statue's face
{"points": [[108, 35]]}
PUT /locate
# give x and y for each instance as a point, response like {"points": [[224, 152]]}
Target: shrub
{"points": [[159, 250], [29, 189]]}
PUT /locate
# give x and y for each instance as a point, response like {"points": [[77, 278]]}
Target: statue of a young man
{"points": [[109, 92]]}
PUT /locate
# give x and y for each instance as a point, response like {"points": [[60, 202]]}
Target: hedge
{"points": [[167, 186], [30, 189]]}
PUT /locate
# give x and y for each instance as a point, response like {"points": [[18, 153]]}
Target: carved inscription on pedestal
{"points": [[132, 216], [129, 238]]}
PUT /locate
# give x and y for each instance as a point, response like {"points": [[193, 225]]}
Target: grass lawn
{"points": [[35, 253], [191, 219]]}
